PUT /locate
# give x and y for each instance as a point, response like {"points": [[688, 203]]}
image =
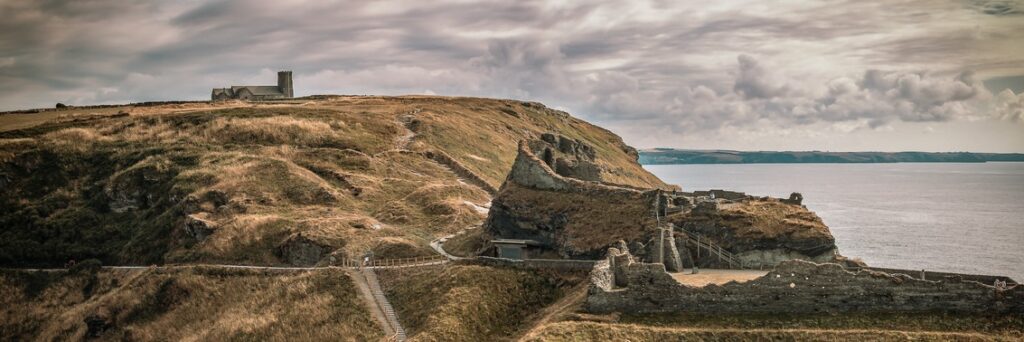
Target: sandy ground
{"points": [[718, 277]]}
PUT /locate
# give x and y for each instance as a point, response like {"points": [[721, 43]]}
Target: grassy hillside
{"points": [[472, 303], [183, 304], [234, 182]]}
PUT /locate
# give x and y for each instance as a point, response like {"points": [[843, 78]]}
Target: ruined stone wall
{"points": [[460, 170], [722, 194], [578, 219], [794, 287]]}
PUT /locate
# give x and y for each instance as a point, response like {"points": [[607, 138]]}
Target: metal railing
{"points": [[712, 249], [414, 261]]}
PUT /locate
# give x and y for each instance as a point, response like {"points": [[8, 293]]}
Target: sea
{"points": [[947, 217]]}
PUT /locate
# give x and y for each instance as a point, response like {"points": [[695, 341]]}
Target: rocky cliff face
{"points": [[540, 200]]}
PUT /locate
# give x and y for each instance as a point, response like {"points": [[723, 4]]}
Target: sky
{"points": [[838, 75]]}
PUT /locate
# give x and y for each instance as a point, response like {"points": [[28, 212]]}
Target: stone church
{"points": [[283, 90]]}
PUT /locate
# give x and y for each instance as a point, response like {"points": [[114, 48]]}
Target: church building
{"points": [[283, 90]]}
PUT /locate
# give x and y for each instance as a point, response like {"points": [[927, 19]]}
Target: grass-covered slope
{"points": [[865, 327], [472, 303], [208, 304], [233, 182]]}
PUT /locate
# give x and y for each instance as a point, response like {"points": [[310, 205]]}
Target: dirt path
{"points": [[709, 276], [405, 120]]}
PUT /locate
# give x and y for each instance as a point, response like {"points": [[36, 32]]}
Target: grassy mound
{"points": [[183, 304], [467, 243]]}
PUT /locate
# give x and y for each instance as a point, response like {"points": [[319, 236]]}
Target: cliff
{"points": [[555, 195], [761, 231]]}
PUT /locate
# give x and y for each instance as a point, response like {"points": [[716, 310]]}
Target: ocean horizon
{"points": [[946, 217]]}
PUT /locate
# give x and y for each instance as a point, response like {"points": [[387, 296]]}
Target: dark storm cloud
{"points": [[687, 67]]}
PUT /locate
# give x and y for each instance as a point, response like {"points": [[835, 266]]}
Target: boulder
{"points": [[199, 226], [300, 250]]}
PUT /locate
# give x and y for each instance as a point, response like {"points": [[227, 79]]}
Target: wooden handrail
{"points": [[713, 248]]}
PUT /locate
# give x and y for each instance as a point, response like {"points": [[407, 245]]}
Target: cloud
{"points": [[677, 68], [753, 83]]}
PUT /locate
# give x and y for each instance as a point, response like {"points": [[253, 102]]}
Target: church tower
{"points": [[284, 83]]}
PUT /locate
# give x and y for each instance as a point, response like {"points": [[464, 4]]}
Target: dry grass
{"points": [[189, 304], [872, 327], [1007, 325], [277, 130], [10, 122], [72, 140], [588, 331], [462, 126], [771, 218], [325, 168], [468, 303], [467, 243]]}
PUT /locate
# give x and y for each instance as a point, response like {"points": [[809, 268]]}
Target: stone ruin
{"points": [[554, 195], [621, 283]]}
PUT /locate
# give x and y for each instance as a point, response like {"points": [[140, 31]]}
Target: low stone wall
{"points": [[931, 275], [723, 194], [621, 285], [460, 170]]}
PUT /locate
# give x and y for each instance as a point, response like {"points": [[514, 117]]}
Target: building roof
{"points": [[515, 242], [258, 90]]}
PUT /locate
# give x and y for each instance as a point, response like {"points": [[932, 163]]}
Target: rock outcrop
{"points": [[761, 232], [300, 250], [543, 200], [199, 226]]}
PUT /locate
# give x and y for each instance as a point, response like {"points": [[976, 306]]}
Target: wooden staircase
{"points": [[383, 303], [710, 248]]}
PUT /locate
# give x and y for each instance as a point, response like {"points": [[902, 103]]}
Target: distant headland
{"points": [[657, 156]]}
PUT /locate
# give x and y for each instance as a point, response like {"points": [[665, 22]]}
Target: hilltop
{"points": [[296, 182]]}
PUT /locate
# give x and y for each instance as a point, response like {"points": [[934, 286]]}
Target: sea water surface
{"points": [[954, 217]]}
